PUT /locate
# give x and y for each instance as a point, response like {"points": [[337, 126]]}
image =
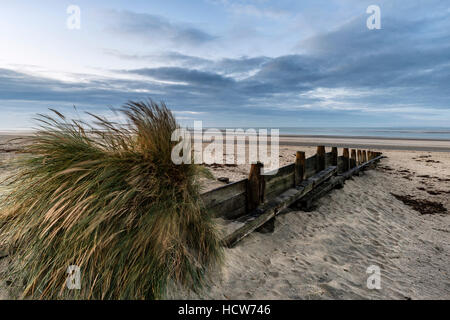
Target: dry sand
{"points": [[324, 254]]}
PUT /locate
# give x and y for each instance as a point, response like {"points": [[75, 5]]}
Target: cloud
{"points": [[184, 75], [166, 58], [153, 27], [349, 74], [253, 8], [236, 67]]}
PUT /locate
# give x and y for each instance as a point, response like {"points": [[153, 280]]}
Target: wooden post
{"points": [[334, 158], [299, 167], [320, 159], [255, 187], [359, 161], [364, 154], [369, 155], [353, 159], [346, 157]]}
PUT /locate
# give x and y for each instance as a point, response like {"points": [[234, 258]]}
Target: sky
{"points": [[229, 63]]}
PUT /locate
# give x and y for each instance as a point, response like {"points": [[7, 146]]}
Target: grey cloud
{"points": [[405, 65], [153, 27], [224, 66], [193, 77]]}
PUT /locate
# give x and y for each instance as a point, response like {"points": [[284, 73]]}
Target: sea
{"points": [[427, 133]]}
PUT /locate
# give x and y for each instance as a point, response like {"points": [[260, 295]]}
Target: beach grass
{"points": [[107, 197]]}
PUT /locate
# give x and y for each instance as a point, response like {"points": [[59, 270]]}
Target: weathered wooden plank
{"points": [[320, 158], [310, 167], [331, 158], [299, 167], [274, 206], [346, 159], [353, 160], [221, 194], [334, 156], [323, 175], [270, 210], [328, 159], [341, 164], [279, 186], [283, 171], [321, 190], [355, 170], [332, 183], [255, 186], [230, 208]]}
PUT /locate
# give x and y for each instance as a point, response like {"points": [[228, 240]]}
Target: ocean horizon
{"points": [[428, 133], [431, 133]]}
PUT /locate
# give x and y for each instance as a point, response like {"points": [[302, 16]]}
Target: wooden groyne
{"points": [[261, 197]]}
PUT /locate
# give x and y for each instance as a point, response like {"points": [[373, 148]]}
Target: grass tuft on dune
{"points": [[108, 198]]}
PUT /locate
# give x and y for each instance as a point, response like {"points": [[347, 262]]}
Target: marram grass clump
{"points": [[108, 198]]}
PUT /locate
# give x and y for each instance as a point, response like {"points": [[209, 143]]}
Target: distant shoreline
{"points": [[357, 137], [26, 133], [368, 142], [376, 143]]}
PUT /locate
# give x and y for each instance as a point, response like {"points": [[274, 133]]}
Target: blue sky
{"points": [[230, 62]]}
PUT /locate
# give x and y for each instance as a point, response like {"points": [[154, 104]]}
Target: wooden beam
{"points": [[320, 158], [359, 160], [364, 155], [299, 167], [255, 186]]}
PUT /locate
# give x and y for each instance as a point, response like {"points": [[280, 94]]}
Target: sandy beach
{"points": [[324, 253]]}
